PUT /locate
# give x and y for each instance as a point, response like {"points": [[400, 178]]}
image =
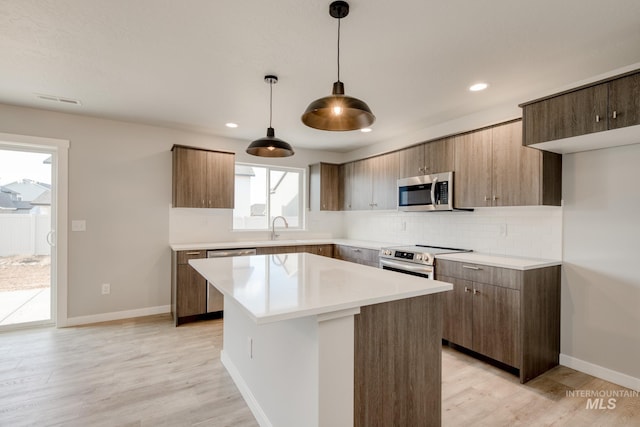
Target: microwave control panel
{"points": [[442, 193]]}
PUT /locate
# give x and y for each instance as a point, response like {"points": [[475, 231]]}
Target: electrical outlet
{"points": [[106, 288]]}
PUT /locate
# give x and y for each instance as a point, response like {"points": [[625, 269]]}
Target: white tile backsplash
{"points": [[522, 231], [530, 231]]}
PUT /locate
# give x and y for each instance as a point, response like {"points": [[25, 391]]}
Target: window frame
{"points": [[301, 196]]}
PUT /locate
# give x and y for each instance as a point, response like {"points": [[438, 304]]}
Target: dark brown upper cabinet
{"points": [[566, 122], [203, 178], [424, 159], [324, 187], [493, 168]]}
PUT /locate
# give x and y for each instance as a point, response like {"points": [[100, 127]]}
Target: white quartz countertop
{"points": [[267, 243], [515, 263], [272, 288]]}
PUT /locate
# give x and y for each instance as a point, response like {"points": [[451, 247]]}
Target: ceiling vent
{"points": [[58, 99]]}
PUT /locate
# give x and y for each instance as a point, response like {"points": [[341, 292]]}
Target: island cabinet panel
{"points": [[324, 187], [397, 376], [357, 255], [189, 288], [511, 316], [427, 158], [203, 178], [493, 168]]}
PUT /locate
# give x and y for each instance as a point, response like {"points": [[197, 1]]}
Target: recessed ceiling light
{"points": [[478, 87], [231, 125], [365, 130]]}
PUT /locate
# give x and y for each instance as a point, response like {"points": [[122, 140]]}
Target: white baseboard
{"points": [[601, 372], [116, 315], [248, 396]]}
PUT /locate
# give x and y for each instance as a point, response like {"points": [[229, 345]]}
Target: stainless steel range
{"points": [[418, 260]]}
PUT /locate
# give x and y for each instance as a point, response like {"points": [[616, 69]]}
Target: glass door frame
{"points": [[59, 150]]}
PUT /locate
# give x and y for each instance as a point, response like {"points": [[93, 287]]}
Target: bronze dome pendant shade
{"points": [[270, 146], [338, 112]]}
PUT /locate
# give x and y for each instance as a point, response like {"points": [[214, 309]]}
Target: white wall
{"points": [[120, 183], [520, 231], [601, 274]]}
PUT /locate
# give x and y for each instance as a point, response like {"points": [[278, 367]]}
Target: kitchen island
{"points": [[315, 341]]}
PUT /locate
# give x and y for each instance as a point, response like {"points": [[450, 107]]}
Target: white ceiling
{"points": [[197, 64]]}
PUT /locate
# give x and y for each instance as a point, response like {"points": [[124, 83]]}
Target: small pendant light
{"points": [[338, 112], [270, 146]]}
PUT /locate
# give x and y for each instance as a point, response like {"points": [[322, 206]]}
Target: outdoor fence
{"points": [[24, 234]]}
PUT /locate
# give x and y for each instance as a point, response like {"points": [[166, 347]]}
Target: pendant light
{"points": [[270, 146], [338, 112]]}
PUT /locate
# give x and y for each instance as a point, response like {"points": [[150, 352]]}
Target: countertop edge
{"points": [[510, 262], [268, 243], [344, 306]]}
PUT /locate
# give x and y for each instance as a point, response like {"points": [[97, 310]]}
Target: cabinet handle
{"points": [[192, 253], [476, 292], [615, 114], [466, 289], [420, 169], [486, 198], [356, 250], [597, 118], [470, 267], [495, 198]]}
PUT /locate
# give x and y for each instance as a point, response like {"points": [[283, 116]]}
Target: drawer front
{"points": [[185, 256], [357, 255], [505, 277]]}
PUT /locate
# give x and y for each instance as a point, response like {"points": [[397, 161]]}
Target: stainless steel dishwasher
{"points": [[215, 300]]}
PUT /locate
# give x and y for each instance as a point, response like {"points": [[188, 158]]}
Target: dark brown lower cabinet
{"points": [[325, 250], [188, 287], [510, 316], [357, 255]]}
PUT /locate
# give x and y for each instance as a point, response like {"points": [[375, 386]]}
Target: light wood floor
{"points": [[146, 372]]}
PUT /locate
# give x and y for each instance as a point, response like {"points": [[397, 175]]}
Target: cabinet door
{"points": [[574, 113], [472, 177], [458, 312], [624, 101], [220, 180], [191, 292], [324, 250], [438, 156], [411, 161], [189, 178], [347, 181], [384, 175], [362, 191], [516, 178], [329, 187], [496, 323]]}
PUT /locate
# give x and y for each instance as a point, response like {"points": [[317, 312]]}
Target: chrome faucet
{"points": [[273, 226]]}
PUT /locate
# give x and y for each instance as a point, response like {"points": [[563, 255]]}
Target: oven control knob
{"points": [[419, 257], [387, 252]]}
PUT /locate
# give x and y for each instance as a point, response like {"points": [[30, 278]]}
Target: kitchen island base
{"points": [[378, 365]]}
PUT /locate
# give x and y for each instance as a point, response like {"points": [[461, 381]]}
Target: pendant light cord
{"points": [[270, 101], [339, 48]]}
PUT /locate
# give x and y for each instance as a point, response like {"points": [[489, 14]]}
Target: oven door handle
{"points": [[424, 269]]}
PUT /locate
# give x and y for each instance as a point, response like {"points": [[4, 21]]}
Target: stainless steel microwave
{"points": [[426, 193]]}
